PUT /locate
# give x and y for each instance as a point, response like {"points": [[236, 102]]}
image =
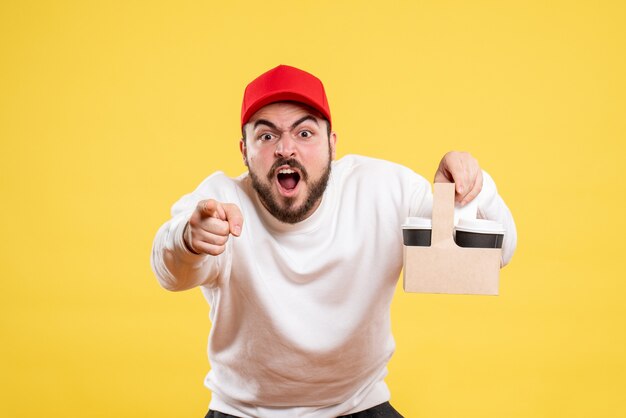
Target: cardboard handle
{"points": [[443, 213], [444, 267]]}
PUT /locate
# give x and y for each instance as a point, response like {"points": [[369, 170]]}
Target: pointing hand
{"points": [[210, 225]]}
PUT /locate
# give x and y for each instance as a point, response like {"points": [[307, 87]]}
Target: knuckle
{"points": [[202, 205], [217, 227], [206, 206], [219, 239], [215, 250]]}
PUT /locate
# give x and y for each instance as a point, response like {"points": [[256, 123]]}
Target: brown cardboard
{"points": [[444, 267]]}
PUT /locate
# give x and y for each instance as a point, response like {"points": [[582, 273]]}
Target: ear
{"points": [[244, 151], [332, 141]]}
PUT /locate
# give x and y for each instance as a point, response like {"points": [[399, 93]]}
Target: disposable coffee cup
{"points": [[417, 232], [479, 233]]}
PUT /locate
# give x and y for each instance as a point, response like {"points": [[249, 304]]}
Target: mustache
{"points": [[291, 163]]}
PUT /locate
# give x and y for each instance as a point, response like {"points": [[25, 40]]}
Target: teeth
{"points": [[286, 171]]}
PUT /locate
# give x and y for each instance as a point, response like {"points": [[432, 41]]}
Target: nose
{"points": [[285, 147]]}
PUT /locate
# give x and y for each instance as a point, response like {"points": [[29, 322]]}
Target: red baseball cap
{"points": [[284, 83]]}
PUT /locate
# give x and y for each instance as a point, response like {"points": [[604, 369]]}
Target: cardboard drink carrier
{"points": [[444, 267]]}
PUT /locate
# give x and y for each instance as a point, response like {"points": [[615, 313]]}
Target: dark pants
{"points": [[384, 410]]}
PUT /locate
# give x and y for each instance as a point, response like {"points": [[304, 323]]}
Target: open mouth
{"points": [[288, 178]]}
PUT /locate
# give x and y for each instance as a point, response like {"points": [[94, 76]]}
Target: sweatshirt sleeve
{"points": [[492, 207], [175, 267]]}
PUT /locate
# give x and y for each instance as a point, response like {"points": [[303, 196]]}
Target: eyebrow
{"points": [[264, 122], [293, 125], [303, 119]]}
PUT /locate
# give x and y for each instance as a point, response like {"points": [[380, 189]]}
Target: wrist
{"points": [[187, 239]]}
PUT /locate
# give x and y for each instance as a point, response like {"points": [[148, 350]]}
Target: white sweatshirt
{"points": [[300, 313]]}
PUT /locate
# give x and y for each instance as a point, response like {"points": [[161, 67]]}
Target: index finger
{"points": [[211, 207]]}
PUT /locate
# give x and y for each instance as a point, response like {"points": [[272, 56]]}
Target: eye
{"points": [[305, 134], [266, 137]]}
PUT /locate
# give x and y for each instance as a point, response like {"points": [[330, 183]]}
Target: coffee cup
{"points": [[479, 233], [417, 231]]}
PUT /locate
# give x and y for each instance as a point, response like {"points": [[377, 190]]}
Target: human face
{"points": [[288, 154]]}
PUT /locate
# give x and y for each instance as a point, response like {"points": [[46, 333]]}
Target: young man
{"points": [[299, 258]]}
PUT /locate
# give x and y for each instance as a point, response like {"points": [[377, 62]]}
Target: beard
{"points": [[282, 208]]}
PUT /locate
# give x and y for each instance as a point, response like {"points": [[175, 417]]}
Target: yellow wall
{"points": [[111, 110]]}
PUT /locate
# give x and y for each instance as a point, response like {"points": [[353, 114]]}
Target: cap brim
{"points": [[282, 96]]}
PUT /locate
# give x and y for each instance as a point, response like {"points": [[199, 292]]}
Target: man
{"points": [[299, 258]]}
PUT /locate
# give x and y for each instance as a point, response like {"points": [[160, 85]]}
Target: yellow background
{"points": [[111, 110]]}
